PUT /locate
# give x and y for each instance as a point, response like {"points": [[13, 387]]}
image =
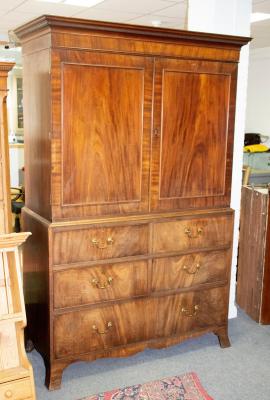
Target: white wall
{"points": [[229, 17], [16, 157], [258, 98]]}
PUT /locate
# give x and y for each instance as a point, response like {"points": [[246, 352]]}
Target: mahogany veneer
{"points": [[128, 154]]}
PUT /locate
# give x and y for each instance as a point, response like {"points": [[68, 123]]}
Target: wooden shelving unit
{"points": [[16, 374]]}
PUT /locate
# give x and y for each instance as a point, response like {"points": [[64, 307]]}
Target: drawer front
{"points": [[189, 234], [79, 286], [101, 328], [189, 270], [191, 312], [79, 245], [16, 390]]}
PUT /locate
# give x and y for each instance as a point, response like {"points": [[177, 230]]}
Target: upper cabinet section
{"points": [[124, 119], [194, 122]]}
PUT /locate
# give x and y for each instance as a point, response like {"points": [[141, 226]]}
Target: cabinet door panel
{"points": [[105, 130], [193, 122]]}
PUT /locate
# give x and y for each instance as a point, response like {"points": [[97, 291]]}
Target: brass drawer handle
{"points": [[102, 243], [105, 285], [190, 313], [191, 235], [109, 326], [8, 394], [191, 271]]}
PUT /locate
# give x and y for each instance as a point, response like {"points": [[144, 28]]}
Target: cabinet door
{"points": [[101, 133], [194, 104]]}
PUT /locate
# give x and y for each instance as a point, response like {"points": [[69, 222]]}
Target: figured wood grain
{"points": [[102, 140], [193, 163], [121, 43], [111, 282], [74, 245], [211, 310], [172, 236], [136, 321], [192, 151], [74, 333], [101, 152], [125, 44], [190, 270]]}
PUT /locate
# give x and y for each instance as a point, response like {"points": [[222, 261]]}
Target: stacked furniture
{"points": [[253, 278], [16, 375], [128, 156]]}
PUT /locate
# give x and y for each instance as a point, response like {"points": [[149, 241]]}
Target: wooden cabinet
{"points": [[128, 174], [253, 278]]}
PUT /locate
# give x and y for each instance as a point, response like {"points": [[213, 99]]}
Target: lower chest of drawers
{"points": [[103, 327], [112, 289], [171, 278]]}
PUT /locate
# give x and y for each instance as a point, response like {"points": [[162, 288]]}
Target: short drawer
{"points": [[77, 286], [79, 245], [190, 312], [197, 233], [101, 328], [16, 390], [186, 271]]}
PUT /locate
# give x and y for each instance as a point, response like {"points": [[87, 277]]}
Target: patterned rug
{"points": [[183, 387]]}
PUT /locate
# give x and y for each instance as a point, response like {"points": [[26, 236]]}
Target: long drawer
{"points": [[190, 270], [78, 286], [102, 328], [88, 244], [192, 233]]}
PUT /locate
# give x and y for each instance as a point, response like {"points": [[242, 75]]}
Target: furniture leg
{"points": [[54, 372], [223, 337]]}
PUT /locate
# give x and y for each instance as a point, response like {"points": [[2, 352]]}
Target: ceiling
{"points": [[171, 13], [260, 31]]}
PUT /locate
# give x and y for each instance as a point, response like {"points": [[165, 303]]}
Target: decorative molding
{"points": [[51, 21], [140, 218], [13, 239], [6, 66]]}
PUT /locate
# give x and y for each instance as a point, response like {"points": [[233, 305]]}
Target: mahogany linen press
{"points": [[128, 161]]}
